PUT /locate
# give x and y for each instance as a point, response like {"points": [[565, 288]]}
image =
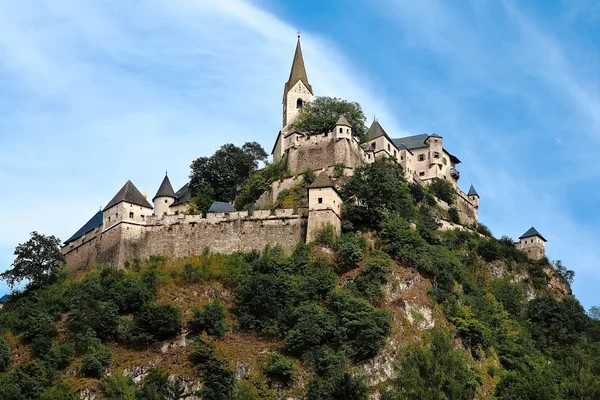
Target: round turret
{"points": [[165, 196]]}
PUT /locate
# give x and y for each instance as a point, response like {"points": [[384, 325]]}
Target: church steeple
{"points": [[297, 90], [298, 71]]}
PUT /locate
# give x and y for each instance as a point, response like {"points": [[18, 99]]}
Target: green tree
{"points": [[61, 390], [433, 372], [280, 369], [118, 387], [225, 171], [37, 260], [157, 322], [443, 190], [375, 189], [212, 319], [156, 386], [594, 313], [565, 273], [320, 115]]}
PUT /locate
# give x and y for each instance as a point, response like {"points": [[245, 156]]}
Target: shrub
{"points": [[417, 192], [339, 170], [60, 355], [61, 390], [280, 369], [95, 361], [118, 387], [438, 371], [453, 215], [218, 378], [310, 326], [372, 276], [326, 236], [349, 250], [211, 319], [484, 230], [443, 190], [156, 386], [308, 176], [157, 322], [4, 355]]}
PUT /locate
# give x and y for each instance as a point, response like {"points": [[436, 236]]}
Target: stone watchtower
{"points": [[164, 198], [532, 243], [324, 207], [473, 197], [128, 207]]}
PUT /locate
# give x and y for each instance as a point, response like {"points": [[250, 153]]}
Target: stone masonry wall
{"points": [[181, 235], [320, 151]]}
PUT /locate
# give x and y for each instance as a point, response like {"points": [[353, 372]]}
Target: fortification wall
{"points": [[320, 151], [181, 235]]}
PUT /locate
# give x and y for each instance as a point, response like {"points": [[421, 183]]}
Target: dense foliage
{"points": [[218, 177], [325, 310], [320, 115]]}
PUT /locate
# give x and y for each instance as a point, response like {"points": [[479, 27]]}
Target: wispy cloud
{"points": [[94, 94]]}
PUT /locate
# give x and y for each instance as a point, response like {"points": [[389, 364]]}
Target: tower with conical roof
{"points": [[297, 90], [164, 198], [473, 197], [532, 243]]}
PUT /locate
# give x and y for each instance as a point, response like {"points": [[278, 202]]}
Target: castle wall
{"points": [[181, 235], [322, 151], [319, 218]]}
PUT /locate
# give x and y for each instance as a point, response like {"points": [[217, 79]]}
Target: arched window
{"points": [[299, 103]]}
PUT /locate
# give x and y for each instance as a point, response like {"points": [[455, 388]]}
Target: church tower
{"points": [[297, 91]]}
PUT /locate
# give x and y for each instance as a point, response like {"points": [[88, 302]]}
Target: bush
{"points": [[484, 230], [211, 319], [61, 390], [372, 276], [118, 387], [453, 215], [280, 369], [443, 190], [156, 386], [308, 176], [218, 378], [4, 355], [417, 192], [349, 250], [60, 355], [326, 236], [95, 361], [157, 322], [438, 371], [310, 327]]}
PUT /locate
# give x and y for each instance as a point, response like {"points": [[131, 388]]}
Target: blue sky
{"points": [[95, 93]]}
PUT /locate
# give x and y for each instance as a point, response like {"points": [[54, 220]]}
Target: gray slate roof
{"points": [[89, 226], [322, 181], [298, 71], [183, 195], [532, 232], [221, 207], [376, 130], [411, 142], [343, 121], [165, 189], [472, 192], [130, 194]]}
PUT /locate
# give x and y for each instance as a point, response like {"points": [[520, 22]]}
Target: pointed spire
{"points": [[298, 71], [165, 189], [343, 121], [472, 191]]}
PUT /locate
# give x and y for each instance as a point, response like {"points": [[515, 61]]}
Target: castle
{"points": [[129, 226]]}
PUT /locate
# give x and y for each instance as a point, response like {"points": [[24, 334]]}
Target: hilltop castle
{"points": [[129, 226]]}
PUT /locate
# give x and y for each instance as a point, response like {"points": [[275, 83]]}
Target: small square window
{"points": [[166, 201], [421, 173], [143, 217], [341, 130], [320, 200], [130, 215]]}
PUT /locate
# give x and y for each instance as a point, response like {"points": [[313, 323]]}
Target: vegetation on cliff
{"points": [[311, 324]]}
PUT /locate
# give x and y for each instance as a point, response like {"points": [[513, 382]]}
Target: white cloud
{"points": [[124, 90]]}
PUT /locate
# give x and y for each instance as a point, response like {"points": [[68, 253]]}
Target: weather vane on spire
{"points": [[299, 34]]}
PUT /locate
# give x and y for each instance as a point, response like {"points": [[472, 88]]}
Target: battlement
{"points": [[181, 235]]}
